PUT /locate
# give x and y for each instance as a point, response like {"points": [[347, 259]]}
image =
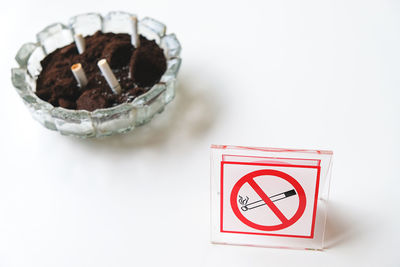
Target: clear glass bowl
{"points": [[101, 122]]}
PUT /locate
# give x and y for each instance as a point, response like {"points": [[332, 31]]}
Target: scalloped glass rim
{"points": [[117, 119]]}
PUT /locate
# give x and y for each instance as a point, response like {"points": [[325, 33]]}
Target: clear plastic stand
{"points": [[269, 197]]}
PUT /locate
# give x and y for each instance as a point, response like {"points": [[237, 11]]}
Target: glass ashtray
{"points": [[100, 122]]}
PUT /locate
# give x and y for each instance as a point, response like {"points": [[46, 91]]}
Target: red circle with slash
{"points": [[249, 178]]}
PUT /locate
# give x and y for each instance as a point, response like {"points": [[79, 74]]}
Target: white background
{"points": [[297, 74]]}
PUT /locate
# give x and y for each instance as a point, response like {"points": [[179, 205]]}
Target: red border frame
{"points": [[259, 157], [275, 165]]}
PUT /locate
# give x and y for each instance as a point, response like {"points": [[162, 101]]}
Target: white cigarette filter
{"points": [[80, 43], [79, 74], [109, 75], [135, 35]]}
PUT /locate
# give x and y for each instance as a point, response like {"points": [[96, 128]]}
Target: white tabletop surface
{"points": [[297, 74]]}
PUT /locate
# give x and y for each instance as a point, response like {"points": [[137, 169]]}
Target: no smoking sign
{"points": [[263, 197], [266, 201]]}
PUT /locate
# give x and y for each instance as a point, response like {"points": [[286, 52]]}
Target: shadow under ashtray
{"points": [[190, 115], [341, 226]]}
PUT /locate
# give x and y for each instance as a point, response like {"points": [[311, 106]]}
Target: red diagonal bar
{"points": [[267, 201]]}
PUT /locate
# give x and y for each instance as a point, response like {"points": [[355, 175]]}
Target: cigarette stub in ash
{"points": [[80, 43], [135, 35], [109, 75], [79, 74]]}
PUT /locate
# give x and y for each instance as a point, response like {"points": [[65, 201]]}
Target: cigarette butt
{"points": [[79, 74], [134, 34], [109, 75], [80, 43]]}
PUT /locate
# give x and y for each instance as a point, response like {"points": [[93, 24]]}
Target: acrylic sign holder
{"points": [[269, 197]]}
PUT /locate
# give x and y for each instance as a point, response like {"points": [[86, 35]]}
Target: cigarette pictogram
{"points": [[249, 206]]}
